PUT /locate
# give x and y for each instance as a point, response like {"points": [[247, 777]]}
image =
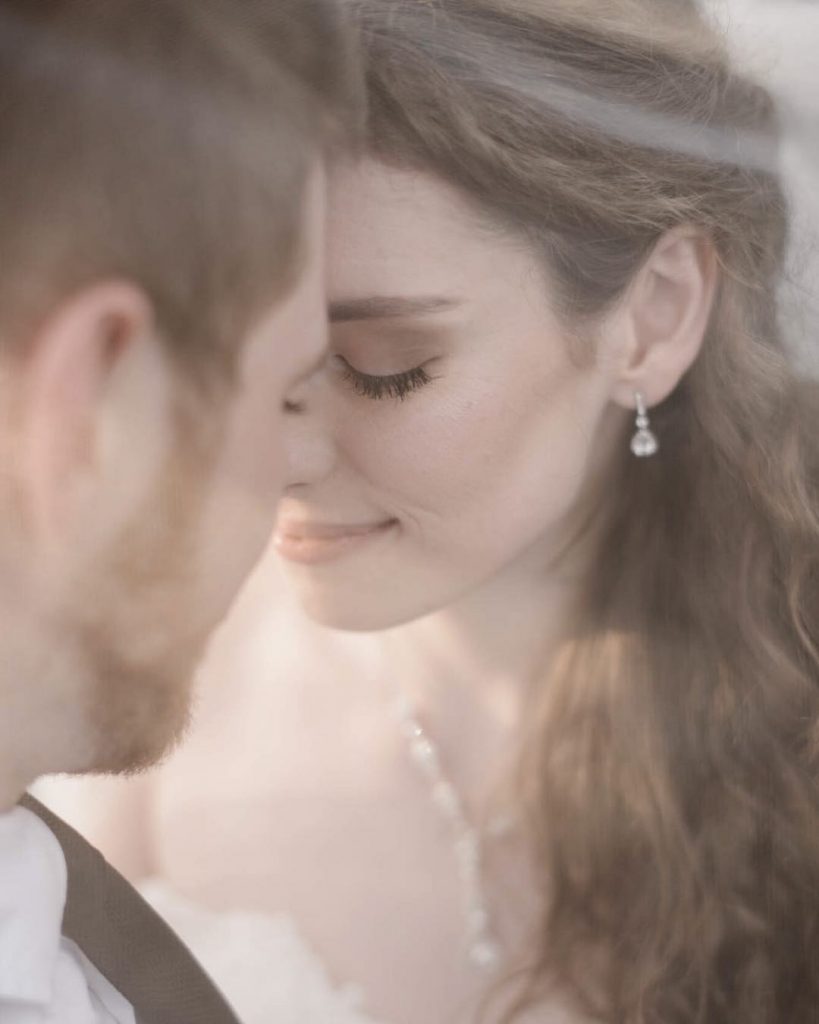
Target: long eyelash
{"points": [[397, 385]]}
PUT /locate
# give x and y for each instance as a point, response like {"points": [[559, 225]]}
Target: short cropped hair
{"points": [[166, 142]]}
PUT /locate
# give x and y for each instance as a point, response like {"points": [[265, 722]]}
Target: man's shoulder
{"points": [[127, 942]]}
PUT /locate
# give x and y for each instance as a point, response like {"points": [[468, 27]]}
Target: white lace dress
{"points": [[264, 967]]}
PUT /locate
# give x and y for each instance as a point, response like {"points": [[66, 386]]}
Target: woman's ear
{"points": [[65, 377], [664, 317]]}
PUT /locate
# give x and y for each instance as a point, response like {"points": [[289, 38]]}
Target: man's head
{"points": [[161, 218]]}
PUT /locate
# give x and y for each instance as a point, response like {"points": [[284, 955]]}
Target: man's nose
{"points": [[309, 444]]}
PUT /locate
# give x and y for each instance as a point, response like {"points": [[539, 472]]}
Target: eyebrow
{"points": [[389, 307]]}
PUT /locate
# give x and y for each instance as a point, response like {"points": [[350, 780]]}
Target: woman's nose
{"points": [[309, 447]]}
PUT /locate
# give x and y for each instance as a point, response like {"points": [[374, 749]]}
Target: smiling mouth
{"points": [[314, 543]]}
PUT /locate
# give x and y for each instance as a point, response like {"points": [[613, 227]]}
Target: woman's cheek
{"points": [[427, 451]]}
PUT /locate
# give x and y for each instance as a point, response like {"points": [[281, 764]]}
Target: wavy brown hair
{"points": [[671, 777]]}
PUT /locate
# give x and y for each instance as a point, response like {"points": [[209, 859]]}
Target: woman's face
{"points": [[447, 441]]}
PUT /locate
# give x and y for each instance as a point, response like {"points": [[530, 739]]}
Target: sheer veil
{"points": [[778, 40]]}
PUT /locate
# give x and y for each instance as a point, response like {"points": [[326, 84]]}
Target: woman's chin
{"points": [[356, 606], [372, 594], [372, 606], [353, 613]]}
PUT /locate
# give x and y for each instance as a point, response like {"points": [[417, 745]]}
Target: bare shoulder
{"points": [[268, 766]]}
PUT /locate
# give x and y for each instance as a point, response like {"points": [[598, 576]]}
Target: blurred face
{"points": [[450, 437], [180, 566], [286, 347]]}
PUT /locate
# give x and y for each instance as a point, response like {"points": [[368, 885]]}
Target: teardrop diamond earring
{"points": [[644, 444]]}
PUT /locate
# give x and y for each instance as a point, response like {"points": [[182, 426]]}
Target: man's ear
{"points": [[67, 373], [665, 316]]}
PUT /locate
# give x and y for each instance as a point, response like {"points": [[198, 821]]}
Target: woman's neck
{"points": [[470, 667], [500, 635]]}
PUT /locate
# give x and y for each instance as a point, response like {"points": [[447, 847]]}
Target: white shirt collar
{"points": [[33, 882], [40, 969]]}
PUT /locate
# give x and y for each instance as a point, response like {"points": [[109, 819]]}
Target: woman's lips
{"points": [[312, 543]]}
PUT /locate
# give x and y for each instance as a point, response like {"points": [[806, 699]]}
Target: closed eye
{"points": [[394, 385]]}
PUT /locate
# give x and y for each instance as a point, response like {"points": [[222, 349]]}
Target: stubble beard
{"points": [[146, 634], [138, 713]]}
